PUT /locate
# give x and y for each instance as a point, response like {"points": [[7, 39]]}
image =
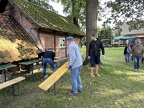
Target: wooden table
{"points": [[30, 62], [4, 67], [57, 58]]}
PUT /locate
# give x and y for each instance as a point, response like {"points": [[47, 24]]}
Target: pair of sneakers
{"points": [[137, 69], [76, 94], [45, 76]]}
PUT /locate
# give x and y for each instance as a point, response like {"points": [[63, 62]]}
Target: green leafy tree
{"points": [[84, 38], [75, 10], [129, 11], [43, 3], [106, 33]]}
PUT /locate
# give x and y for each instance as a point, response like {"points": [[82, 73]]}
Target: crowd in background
{"points": [[134, 51]]}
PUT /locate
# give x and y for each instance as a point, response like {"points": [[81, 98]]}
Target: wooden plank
{"points": [[82, 53], [60, 59], [11, 82], [54, 77]]}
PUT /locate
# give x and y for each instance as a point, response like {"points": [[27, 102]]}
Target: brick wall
{"points": [[47, 41], [30, 28]]}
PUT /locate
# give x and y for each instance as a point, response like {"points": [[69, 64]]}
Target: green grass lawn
{"points": [[118, 87]]}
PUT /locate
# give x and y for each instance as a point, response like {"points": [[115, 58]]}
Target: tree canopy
{"points": [[43, 3], [129, 11], [105, 33]]}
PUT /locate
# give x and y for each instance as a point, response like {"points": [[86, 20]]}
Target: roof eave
{"points": [[56, 31], [26, 16]]}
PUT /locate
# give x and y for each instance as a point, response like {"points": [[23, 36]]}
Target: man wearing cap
{"points": [[137, 53], [94, 54], [75, 65]]}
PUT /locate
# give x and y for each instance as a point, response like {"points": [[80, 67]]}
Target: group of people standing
{"points": [[75, 61], [134, 52], [75, 64]]}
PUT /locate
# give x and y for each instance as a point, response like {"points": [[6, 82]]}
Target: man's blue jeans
{"points": [[76, 79], [51, 63], [127, 57], [136, 62]]}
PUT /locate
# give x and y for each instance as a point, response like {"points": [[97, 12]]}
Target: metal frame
{"points": [[13, 89]]}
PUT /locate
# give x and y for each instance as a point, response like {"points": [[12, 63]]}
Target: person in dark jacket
{"points": [[95, 47], [48, 57], [127, 52]]}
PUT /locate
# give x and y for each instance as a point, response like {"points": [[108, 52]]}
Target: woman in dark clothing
{"points": [[127, 52]]}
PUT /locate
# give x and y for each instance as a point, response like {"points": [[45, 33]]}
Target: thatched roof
{"points": [[15, 44]]}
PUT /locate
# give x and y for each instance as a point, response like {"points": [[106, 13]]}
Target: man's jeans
{"points": [[76, 79], [136, 62], [51, 63], [127, 58]]}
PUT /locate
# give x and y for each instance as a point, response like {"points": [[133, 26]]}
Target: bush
{"points": [[108, 41]]}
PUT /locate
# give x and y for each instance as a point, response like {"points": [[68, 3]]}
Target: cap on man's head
{"points": [[69, 38], [138, 41]]}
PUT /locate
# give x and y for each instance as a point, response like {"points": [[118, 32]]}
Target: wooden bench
{"points": [[12, 83]]}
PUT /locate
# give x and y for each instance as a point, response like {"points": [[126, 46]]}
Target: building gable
{"points": [[15, 44], [46, 19]]}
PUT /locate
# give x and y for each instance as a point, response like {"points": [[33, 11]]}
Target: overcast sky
{"points": [[58, 7]]}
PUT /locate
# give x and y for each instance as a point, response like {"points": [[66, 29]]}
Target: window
{"points": [[62, 42]]}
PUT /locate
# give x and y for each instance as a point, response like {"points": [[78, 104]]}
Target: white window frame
{"points": [[62, 43]]}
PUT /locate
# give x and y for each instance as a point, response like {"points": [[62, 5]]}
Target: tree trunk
{"points": [[91, 23], [75, 20]]}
